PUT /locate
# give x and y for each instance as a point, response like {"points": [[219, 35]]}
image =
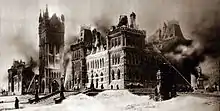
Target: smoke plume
{"points": [[103, 24], [204, 30]]}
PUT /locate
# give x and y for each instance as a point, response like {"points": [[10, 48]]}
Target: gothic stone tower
{"points": [[51, 45]]}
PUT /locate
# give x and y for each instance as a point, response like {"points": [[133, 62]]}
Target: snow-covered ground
{"points": [[115, 100]]}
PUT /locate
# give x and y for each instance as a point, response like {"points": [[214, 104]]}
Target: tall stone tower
{"points": [[51, 46]]}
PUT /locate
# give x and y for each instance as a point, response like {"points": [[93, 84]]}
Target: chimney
{"points": [[132, 20]]}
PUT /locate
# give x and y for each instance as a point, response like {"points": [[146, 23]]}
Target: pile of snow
{"points": [[115, 100]]}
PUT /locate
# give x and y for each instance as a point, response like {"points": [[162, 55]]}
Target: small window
{"points": [[119, 41], [87, 79], [100, 61], [118, 58], [117, 87], [111, 86], [118, 74], [113, 59], [103, 62], [97, 63], [113, 75], [116, 42]]}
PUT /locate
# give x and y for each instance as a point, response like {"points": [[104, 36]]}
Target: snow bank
{"points": [[122, 100]]}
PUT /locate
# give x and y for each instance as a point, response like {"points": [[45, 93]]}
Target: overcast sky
{"points": [[19, 20]]}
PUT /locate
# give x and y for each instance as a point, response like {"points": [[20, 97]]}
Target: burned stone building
{"points": [[169, 36], [51, 46], [117, 62], [166, 40], [21, 78]]}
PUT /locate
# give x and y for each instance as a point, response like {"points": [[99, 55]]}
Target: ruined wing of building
{"points": [[20, 76]]}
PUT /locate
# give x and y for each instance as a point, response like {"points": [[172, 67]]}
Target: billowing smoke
{"points": [[66, 61], [204, 31], [103, 24], [67, 57]]}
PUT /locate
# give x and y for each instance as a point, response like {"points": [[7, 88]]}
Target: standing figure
{"points": [[16, 103]]}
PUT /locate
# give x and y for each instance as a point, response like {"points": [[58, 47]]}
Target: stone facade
{"points": [[20, 76], [51, 46], [116, 61]]}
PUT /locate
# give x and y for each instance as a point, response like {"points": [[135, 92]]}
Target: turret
{"points": [[40, 17], [46, 13], [132, 20], [123, 20], [62, 18]]}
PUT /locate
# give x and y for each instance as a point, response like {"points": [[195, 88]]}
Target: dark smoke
{"points": [[103, 24], [67, 50], [205, 31]]}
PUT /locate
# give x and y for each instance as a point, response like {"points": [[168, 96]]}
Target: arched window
{"points": [[118, 74], [113, 42], [101, 76], [116, 42], [96, 63], [118, 58], [87, 79], [113, 75], [103, 62], [100, 61], [113, 59], [117, 86], [119, 40], [97, 80]]}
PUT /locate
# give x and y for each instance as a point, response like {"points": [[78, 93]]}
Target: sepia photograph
{"points": [[110, 55]]}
